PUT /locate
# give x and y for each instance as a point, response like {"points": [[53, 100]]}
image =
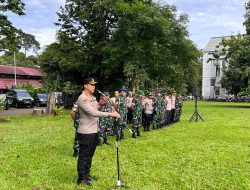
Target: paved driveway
{"points": [[18, 111]]}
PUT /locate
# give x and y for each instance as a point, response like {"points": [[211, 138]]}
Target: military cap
{"points": [[123, 89], [141, 92], [89, 81]]}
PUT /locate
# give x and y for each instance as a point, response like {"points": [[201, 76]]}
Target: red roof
{"points": [[8, 82], [4, 69]]}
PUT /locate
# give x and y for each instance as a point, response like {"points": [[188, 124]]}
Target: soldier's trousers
{"points": [[147, 121], [156, 120], [168, 117], [87, 146], [76, 144], [172, 116]]}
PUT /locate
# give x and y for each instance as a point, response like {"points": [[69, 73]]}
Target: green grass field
{"points": [[36, 153]]}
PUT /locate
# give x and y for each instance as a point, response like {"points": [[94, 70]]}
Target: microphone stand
{"points": [[119, 183]]}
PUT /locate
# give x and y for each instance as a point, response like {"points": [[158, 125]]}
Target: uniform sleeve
{"points": [[85, 106]]}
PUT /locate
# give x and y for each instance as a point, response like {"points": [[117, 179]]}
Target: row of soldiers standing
{"points": [[156, 110]]}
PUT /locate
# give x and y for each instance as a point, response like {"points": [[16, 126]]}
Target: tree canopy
{"points": [[11, 38], [236, 76], [137, 43]]}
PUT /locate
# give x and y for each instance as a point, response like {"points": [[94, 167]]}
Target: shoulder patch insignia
{"points": [[84, 101]]}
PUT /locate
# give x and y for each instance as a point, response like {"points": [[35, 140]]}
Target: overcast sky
{"points": [[207, 18]]}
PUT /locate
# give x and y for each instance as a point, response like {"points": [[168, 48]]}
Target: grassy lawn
{"points": [[36, 153]]}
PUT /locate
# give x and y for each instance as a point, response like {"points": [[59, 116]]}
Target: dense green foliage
{"points": [[137, 43], [11, 38], [237, 76], [37, 153], [21, 59]]}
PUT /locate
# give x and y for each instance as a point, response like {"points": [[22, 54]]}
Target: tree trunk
{"points": [[51, 104]]}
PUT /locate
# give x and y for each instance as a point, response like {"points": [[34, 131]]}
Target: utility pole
{"points": [[15, 67]]}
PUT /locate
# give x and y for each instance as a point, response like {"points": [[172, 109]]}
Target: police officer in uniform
{"points": [[148, 110], [87, 133]]}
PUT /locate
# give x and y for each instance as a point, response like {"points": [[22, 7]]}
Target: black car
{"points": [[19, 98], [41, 99]]}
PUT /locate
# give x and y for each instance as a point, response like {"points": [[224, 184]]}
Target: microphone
{"points": [[100, 92]]}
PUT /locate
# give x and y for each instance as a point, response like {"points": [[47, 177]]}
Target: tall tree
{"points": [[137, 43], [88, 25], [152, 44], [12, 38], [236, 76]]}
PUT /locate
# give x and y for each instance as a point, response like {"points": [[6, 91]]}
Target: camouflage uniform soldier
{"points": [[120, 106], [105, 123], [157, 113], [178, 108], [76, 118], [162, 111], [137, 113]]}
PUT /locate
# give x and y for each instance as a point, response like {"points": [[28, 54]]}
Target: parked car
{"points": [[41, 99], [19, 98]]}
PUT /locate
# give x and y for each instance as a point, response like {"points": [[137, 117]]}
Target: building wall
{"points": [[211, 87]]}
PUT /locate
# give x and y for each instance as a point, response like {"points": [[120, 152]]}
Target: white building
{"points": [[213, 68]]}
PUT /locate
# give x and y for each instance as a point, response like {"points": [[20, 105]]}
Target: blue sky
{"points": [[207, 18]]}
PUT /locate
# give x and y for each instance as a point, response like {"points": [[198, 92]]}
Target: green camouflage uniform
{"points": [[121, 123], [105, 123], [163, 111], [137, 116], [178, 109], [158, 116], [76, 126]]}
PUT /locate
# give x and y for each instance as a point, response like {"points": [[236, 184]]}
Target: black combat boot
{"points": [[133, 135], [75, 154], [105, 142], [138, 133]]}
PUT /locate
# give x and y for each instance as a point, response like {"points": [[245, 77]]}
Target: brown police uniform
{"points": [[87, 133]]}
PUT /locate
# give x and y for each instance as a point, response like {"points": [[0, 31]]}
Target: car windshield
{"points": [[23, 95], [42, 96]]}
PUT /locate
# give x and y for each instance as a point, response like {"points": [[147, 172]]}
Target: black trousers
{"points": [[87, 146], [172, 116], [168, 116], [147, 121]]}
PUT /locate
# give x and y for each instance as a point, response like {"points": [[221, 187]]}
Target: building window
{"points": [[212, 82], [217, 91]]}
